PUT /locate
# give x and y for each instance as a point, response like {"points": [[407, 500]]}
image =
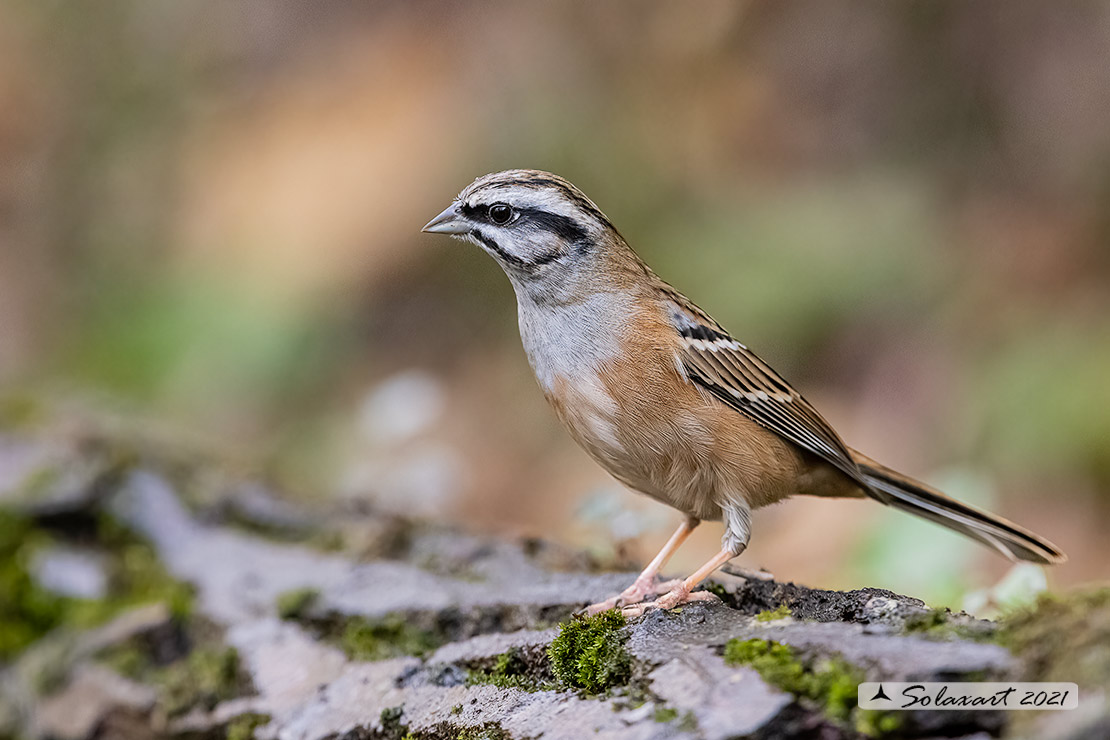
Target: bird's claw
{"points": [[675, 597], [631, 596]]}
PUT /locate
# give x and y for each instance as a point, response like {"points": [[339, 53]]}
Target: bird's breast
{"points": [[613, 379]]}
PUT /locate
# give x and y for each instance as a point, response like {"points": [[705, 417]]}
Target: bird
{"points": [[663, 397]]}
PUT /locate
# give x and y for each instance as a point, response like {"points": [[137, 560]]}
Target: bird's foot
{"points": [[680, 594], [634, 594]]}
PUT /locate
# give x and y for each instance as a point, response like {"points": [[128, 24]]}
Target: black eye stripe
{"points": [[562, 226], [474, 213]]}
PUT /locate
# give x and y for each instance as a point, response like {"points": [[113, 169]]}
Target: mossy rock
{"points": [[517, 668], [243, 726], [1062, 638], [831, 683], [135, 576], [206, 676], [942, 624], [27, 612], [390, 636], [297, 604], [772, 615]]}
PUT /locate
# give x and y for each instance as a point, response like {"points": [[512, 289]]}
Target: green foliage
{"points": [[295, 604], [511, 671], [234, 341], [831, 683], [589, 653], [772, 614], [1020, 387], [387, 637], [243, 726]]}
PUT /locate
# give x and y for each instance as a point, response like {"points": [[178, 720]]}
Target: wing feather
{"points": [[736, 376]]}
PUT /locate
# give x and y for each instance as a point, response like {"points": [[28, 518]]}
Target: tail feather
{"points": [[904, 493]]}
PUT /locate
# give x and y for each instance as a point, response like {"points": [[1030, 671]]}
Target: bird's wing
{"points": [[736, 376]]}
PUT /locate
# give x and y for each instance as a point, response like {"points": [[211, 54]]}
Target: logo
{"points": [[966, 695]]}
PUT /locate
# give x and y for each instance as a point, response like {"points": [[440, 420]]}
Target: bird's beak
{"points": [[448, 222]]}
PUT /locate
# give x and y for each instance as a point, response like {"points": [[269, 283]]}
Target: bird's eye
{"points": [[500, 213]]}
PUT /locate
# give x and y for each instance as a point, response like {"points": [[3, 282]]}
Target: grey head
{"points": [[539, 227]]}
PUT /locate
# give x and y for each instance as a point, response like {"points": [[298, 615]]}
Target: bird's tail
{"points": [[901, 492]]}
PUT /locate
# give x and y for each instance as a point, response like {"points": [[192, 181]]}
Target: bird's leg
{"points": [[645, 584], [737, 532], [684, 592]]}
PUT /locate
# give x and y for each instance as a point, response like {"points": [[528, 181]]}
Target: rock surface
{"points": [[302, 623]]}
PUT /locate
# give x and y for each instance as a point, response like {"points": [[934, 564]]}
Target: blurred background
{"points": [[210, 215]]}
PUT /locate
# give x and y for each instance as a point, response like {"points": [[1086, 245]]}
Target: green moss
{"points": [[295, 604], [208, 674], [488, 731], [390, 720], [877, 723], [136, 575], [390, 636], [1062, 638], [928, 622], [27, 612], [243, 726], [665, 714], [205, 677], [127, 660], [688, 723], [772, 614], [589, 653], [511, 670], [941, 624], [831, 683]]}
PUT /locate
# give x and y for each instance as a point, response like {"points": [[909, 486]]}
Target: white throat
{"points": [[572, 340]]}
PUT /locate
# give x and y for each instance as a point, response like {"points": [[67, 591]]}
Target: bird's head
{"points": [[539, 227]]}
